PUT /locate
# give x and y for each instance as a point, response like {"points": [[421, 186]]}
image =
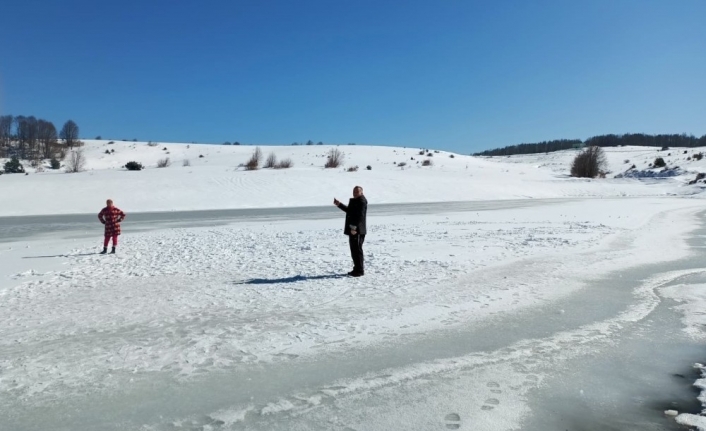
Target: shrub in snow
{"points": [[685, 151], [164, 149], [402, 164], [430, 155], [107, 151], [370, 168], [284, 164], [588, 163], [186, 162], [76, 161], [200, 156], [452, 156], [149, 144], [665, 148], [352, 169], [254, 162], [427, 163], [163, 163], [55, 164], [659, 163], [334, 158], [697, 156], [134, 166], [626, 161], [699, 176], [421, 153], [271, 161], [14, 166], [111, 142]]}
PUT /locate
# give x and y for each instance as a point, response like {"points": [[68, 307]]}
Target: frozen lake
{"points": [[479, 316]]}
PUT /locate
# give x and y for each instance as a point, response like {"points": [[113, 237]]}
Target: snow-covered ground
{"points": [[216, 181], [463, 320]]}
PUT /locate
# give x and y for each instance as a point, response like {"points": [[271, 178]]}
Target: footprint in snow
{"points": [[490, 404], [453, 421]]}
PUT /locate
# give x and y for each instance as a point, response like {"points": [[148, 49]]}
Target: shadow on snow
{"points": [[295, 279]]}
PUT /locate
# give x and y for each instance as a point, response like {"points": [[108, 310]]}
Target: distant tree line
{"points": [[30, 138], [632, 139]]}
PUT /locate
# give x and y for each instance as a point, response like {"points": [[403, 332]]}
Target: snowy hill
{"points": [[215, 178]]}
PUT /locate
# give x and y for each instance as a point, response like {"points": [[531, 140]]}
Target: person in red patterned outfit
{"points": [[111, 216]]}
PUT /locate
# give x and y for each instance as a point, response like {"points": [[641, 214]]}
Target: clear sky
{"points": [[456, 75]]}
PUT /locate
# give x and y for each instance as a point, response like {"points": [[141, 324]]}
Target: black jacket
{"points": [[356, 212]]}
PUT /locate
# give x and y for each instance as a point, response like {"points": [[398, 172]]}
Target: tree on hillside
{"points": [[589, 163], [47, 136], [5, 133], [69, 133]]}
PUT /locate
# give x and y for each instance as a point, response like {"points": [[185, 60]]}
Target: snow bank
{"points": [[698, 421]]}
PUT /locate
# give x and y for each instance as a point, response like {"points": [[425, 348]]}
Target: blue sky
{"points": [[455, 75]]}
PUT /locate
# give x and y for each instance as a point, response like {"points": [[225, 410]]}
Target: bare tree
{"points": [[163, 163], [271, 161], [6, 122], [69, 133], [76, 161], [46, 133], [334, 159], [254, 161], [589, 163]]}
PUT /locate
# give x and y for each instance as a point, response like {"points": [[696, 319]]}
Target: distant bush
{"points": [[626, 161], [697, 156], [352, 169], [98, 138], [271, 161], [149, 144], [284, 164], [402, 164], [452, 156], [659, 163], [163, 163], [14, 166], [111, 142], [334, 159], [164, 149], [665, 148], [76, 161], [254, 162], [430, 155], [186, 162], [421, 153], [134, 166], [370, 168], [427, 162], [200, 156], [589, 163], [107, 151], [55, 164]]}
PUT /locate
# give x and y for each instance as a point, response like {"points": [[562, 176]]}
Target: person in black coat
{"points": [[356, 212]]}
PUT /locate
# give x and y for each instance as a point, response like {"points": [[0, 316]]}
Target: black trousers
{"points": [[356, 243]]}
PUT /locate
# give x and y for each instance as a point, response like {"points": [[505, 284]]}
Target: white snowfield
{"points": [[252, 326], [215, 181]]}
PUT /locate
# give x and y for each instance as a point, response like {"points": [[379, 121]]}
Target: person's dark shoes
{"points": [[105, 250], [356, 274], [352, 272], [112, 251]]}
